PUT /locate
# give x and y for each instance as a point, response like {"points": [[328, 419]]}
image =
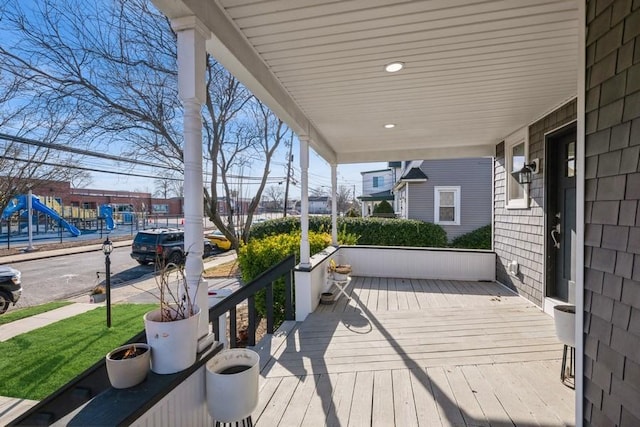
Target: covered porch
{"points": [[464, 77]]}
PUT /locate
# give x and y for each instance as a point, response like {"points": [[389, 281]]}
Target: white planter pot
{"points": [[564, 317], [125, 373], [173, 344], [340, 277], [232, 396]]}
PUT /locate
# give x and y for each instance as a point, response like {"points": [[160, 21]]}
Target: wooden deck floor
{"points": [[418, 353]]}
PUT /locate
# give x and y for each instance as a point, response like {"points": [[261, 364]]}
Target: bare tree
{"points": [[320, 191], [274, 196], [344, 198], [114, 65]]}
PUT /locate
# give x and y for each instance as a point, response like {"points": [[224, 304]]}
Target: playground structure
{"points": [[69, 218]]}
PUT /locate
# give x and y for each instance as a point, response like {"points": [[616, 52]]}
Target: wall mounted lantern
{"points": [[525, 175]]}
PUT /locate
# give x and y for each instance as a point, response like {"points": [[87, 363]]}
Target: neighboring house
{"points": [[454, 193], [377, 186], [319, 205]]}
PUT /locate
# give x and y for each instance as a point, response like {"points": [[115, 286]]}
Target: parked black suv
{"points": [[165, 244], [10, 287]]}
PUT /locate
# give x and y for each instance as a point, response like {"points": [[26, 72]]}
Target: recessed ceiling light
{"points": [[389, 126], [393, 67]]}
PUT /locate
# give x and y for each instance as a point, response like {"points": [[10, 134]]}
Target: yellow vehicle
{"points": [[219, 240]]}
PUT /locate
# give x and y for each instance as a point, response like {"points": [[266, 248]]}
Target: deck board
{"points": [[418, 352]]}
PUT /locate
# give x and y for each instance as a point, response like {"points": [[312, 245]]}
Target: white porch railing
{"points": [[384, 261]]}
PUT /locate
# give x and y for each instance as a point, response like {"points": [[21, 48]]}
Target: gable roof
{"points": [[414, 174]]}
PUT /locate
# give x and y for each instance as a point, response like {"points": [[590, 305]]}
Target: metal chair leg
{"points": [[564, 363]]}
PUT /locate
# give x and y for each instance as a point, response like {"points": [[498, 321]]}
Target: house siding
{"points": [[367, 181], [612, 219], [473, 176], [519, 233]]}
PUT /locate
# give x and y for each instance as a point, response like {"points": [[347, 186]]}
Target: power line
{"points": [[85, 168], [67, 149]]}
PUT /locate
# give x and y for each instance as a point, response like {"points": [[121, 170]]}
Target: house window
{"points": [[378, 181], [516, 146], [447, 205]]}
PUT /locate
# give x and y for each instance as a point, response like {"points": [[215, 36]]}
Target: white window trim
{"points": [[522, 135], [456, 205]]}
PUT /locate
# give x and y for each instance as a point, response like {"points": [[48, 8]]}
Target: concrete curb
{"points": [[29, 256]]}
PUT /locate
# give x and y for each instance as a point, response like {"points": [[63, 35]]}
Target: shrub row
{"points": [[479, 238], [370, 231], [259, 255]]}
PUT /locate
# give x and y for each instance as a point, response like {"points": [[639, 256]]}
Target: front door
{"points": [[561, 214]]}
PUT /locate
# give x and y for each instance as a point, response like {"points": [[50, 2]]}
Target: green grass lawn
{"points": [[21, 313], [35, 364]]}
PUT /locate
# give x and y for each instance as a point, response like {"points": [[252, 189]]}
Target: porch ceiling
{"points": [[475, 70]]}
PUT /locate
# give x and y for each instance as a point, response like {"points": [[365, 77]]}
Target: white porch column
{"points": [[334, 204], [304, 202], [191, 90]]}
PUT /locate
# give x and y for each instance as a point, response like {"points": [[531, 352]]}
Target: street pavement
{"points": [[141, 292]]}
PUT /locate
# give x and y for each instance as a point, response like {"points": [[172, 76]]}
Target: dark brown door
{"points": [[561, 215]]}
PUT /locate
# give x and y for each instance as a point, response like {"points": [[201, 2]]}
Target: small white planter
{"points": [[125, 373], [173, 344], [340, 277], [564, 317], [232, 396]]}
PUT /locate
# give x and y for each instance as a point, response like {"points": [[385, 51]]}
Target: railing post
{"points": [[269, 301], [288, 297], [233, 327], [251, 308]]}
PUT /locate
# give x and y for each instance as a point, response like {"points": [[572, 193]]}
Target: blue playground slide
{"points": [[20, 202], [106, 212]]}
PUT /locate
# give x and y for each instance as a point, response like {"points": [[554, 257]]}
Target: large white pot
{"points": [[173, 344], [125, 373], [232, 396], [564, 317]]}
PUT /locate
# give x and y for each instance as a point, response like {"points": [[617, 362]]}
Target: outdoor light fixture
{"points": [[389, 126], [525, 175], [394, 67], [107, 248]]}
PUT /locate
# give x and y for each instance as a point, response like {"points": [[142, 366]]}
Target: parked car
{"points": [[219, 240], [163, 244], [10, 287]]}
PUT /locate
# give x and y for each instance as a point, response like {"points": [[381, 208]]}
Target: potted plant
{"points": [[172, 329], [232, 381], [98, 294], [339, 272], [128, 365]]}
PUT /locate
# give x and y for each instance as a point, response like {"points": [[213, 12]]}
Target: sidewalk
{"points": [[45, 253]]}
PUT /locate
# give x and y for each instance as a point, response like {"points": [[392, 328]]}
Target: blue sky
{"points": [[319, 175]]}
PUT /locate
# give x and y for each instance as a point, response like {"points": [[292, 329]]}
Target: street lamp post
{"points": [[107, 248]]}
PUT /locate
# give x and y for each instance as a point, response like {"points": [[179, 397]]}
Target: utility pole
{"points": [[286, 189]]}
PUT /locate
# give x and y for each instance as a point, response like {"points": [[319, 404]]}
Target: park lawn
{"points": [[37, 363], [22, 313]]}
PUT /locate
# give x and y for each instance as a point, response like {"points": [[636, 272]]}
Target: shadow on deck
{"points": [[418, 352]]}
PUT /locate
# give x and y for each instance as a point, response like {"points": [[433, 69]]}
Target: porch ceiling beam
{"points": [[418, 153], [233, 51]]}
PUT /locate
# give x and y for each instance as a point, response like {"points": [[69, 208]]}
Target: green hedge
{"points": [[371, 231], [259, 255], [479, 238]]}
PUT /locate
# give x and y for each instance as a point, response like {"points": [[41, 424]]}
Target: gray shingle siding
{"points": [[519, 233], [612, 217], [473, 176]]}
